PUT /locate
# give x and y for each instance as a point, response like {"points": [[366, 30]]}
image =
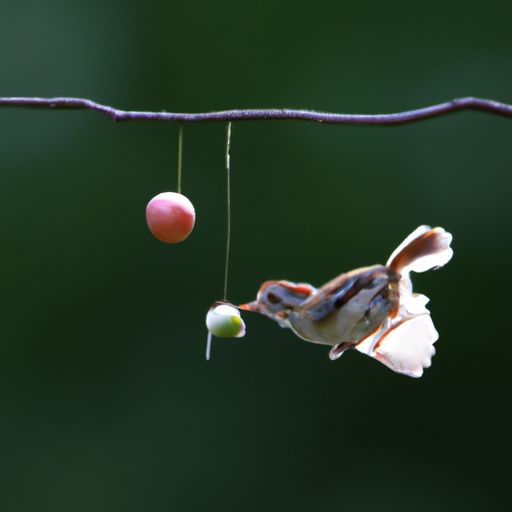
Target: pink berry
{"points": [[170, 217]]}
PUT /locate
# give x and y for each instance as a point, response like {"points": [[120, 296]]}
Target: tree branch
{"points": [[409, 116]]}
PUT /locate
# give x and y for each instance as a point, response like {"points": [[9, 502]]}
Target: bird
{"points": [[371, 309]]}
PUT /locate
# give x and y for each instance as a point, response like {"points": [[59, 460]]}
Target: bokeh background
{"points": [[107, 403]]}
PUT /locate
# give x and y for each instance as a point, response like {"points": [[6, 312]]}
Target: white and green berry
{"points": [[225, 321]]}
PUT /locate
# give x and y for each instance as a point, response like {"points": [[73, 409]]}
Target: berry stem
{"points": [[180, 157], [228, 209]]}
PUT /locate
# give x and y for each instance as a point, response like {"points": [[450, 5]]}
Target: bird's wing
{"points": [[340, 291], [406, 347]]}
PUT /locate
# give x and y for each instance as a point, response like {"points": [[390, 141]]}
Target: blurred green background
{"points": [[106, 401]]}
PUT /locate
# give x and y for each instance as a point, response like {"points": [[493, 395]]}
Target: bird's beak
{"points": [[250, 306]]}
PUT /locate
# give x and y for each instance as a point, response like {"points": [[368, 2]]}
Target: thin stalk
{"points": [[180, 157], [228, 209]]}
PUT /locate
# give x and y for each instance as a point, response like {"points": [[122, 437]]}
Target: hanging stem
{"points": [[228, 209], [180, 157]]}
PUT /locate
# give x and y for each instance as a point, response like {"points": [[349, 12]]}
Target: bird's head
{"points": [[276, 299]]}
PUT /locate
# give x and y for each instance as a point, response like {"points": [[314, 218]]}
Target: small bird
{"points": [[371, 309]]}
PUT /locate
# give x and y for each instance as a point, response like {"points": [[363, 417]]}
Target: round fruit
{"points": [[225, 321], [170, 217]]}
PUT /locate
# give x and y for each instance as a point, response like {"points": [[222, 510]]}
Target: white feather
{"points": [[408, 347], [414, 304]]}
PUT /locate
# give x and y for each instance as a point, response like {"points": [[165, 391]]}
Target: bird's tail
{"points": [[424, 249]]}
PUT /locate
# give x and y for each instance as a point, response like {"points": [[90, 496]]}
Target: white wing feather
{"points": [[407, 347]]}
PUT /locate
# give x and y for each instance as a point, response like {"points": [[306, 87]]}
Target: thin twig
{"points": [[490, 106]]}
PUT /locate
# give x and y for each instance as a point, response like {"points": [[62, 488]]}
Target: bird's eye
{"points": [[273, 298]]}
